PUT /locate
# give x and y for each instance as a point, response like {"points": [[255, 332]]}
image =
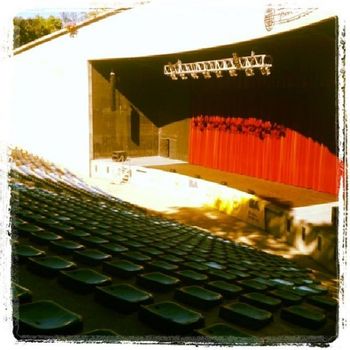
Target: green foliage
{"points": [[27, 30]]}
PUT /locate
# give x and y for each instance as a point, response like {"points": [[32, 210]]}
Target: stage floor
{"points": [[280, 194], [143, 161]]}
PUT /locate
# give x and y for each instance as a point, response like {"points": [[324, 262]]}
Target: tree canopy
{"points": [[29, 29]]}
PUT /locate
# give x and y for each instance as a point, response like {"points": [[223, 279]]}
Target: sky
{"points": [[30, 9], [49, 12]]}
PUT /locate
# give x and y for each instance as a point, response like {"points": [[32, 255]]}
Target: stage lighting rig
{"points": [[232, 66]]}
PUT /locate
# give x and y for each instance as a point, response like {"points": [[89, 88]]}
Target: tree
{"points": [[29, 29]]}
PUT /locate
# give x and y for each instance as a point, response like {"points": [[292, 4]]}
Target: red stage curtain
{"points": [[258, 148]]}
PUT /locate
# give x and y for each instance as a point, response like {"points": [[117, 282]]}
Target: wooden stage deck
{"points": [[278, 193]]}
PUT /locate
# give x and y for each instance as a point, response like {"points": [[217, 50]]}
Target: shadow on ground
{"points": [[229, 227]]}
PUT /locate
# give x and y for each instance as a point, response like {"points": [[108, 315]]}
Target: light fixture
{"points": [[231, 65], [183, 76], [265, 71], [206, 75], [233, 72], [249, 72], [235, 60], [173, 76]]}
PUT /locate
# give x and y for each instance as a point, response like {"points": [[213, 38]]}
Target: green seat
{"points": [[178, 252], [24, 251], [113, 248], [245, 315], [151, 251], [191, 277], [102, 332], [123, 297], [65, 246], [46, 317], [299, 281], [117, 239], [44, 237], [221, 333], [162, 246], [134, 244], [172, 258], [214, 265], [228, 290], [196, 266], [195, 258], [240, 274], [60, 228], [83, 280], [261, 300], [136, 256], [91, 256], [49, 265], [21, 294], [239, 267], [324, 302], [305, 291], [253, 286], [319, 288], [77, 234], [25, 229], [171, 318], [266, 281], [198, 297], [100, 231], [45, 222], [93, 241], [304, 316], [280, 283], [221, 275], [157, 281], [162, 265], [122, 268], [287, 297]]}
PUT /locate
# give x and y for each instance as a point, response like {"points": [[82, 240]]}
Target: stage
{"points": [[282, 195], [301, 217]]}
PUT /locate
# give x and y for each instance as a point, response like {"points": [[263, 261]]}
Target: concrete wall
{"points": [[175, 135], [51, 104], [121, 128]]}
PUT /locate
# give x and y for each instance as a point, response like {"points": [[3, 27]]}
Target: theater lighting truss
{"points": [[232, 66]]}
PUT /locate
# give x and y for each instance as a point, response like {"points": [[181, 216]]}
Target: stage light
{"points": [[249, 72], [206, 75], [233, 73], [265, 71], [231, 65], [183, 76], [236, 61]]}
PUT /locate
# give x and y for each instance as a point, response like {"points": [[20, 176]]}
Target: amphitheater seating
{"points": [[92, 265], [46, 317]]}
